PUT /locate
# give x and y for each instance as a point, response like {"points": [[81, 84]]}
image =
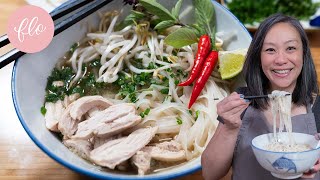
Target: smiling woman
{"points": [[282, 56], [275, 61]]}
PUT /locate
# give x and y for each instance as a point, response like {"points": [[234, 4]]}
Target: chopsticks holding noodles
{"points": [[84, 7], [255, 97], [260, 96], [220, 119]]}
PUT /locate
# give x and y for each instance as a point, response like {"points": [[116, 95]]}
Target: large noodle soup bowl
{"points": [[286, 165], [29, 80]]}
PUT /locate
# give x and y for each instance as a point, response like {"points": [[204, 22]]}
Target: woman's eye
{"points": [[291, 48], [270, 50]]}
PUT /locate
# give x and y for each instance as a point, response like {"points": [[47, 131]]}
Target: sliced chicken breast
{"points": [[53, 114], [110, 156], [117, 126], [168, 151], [84, 104], [142, 160], [79, 146], [67, 125], [101, 119]]}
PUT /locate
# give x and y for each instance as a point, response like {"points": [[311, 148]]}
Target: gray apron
{"points": [[254, 123]]}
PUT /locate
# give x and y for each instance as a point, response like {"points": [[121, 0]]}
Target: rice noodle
{"points": [[281, 107]]}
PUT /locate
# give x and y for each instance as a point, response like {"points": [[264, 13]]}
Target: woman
{"points": [[278, 58]]}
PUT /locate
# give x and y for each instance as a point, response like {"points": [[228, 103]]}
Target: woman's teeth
{"points": [[281, 71]]}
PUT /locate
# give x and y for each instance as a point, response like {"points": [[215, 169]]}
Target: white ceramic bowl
{"points": [[286, 165], [30, 77]]}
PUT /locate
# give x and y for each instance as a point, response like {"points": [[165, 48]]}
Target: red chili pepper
{"points": [[208, 67], [204, 46]]}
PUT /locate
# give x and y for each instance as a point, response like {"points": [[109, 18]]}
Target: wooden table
{"points": [[20, 158]]}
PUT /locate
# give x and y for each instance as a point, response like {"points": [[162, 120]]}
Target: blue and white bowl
{"points": [[286, 165], [29, 80]]}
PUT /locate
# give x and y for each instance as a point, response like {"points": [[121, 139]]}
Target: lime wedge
{"points": [[231, 62]]}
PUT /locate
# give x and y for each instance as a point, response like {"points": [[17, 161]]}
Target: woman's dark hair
{"points": [[258, 83]]}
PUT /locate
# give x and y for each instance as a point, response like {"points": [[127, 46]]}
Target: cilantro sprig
{"points": [[86, 85]]}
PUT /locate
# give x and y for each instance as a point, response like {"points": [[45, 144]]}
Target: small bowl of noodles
{"points": [[288, 156], [102, 99]]}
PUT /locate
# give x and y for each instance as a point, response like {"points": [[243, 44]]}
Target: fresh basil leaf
{"points": [[198, 30], [164, 24], [176, 9], [130, 19], [154, 22], [181, 37], [137, 14], [157, 9], [205, 16]]}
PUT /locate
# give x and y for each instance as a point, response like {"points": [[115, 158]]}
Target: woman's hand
{"points": [[316, 168], [313, 171], [230, 109]]}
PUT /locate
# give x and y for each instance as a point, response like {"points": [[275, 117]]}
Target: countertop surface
{"points": [[20, 158]]}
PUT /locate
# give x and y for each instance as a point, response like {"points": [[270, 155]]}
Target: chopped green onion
{"points": [[179, 120], [43, 110], [142, 115], [197, 114], [146, 112], [176, 82], [74, 47], [164, 91]]}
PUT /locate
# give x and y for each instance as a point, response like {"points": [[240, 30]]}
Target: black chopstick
{"points": [[254, 97], [63, 25], [220, 119], [260, 96], [10, 57], [56, 14], [97, 4], [4, 40], [68, 8]]}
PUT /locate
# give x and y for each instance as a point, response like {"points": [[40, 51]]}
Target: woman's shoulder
{"points": [[316, 111], [316, 104]]}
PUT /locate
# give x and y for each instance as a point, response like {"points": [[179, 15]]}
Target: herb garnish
{"points": [[145, 113], [205, 17], [87, 85], [43, 110], [179, 120]]}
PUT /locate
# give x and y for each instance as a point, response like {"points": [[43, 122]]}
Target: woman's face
{"points": [[282, 57]]}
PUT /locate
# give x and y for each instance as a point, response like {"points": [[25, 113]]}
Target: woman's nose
{"points": [[281, 58]]}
